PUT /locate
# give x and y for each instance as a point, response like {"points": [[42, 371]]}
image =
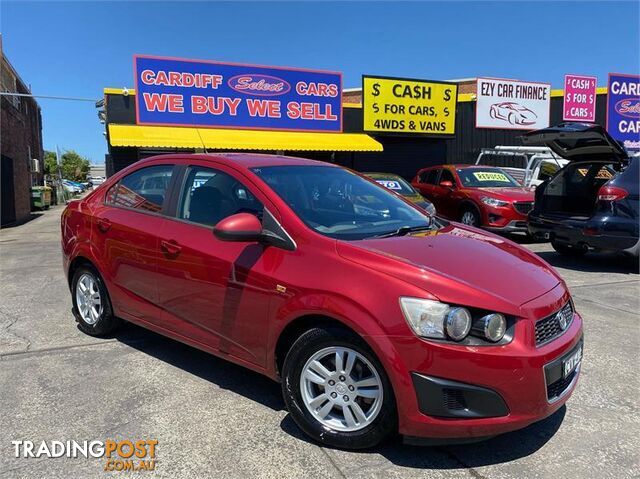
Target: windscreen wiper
{"points": [[403, 231]]}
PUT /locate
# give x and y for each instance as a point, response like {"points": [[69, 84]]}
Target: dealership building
{"points": [[353, 147]]}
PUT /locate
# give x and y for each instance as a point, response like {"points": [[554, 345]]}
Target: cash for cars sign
{"points": [[579, 98], [512, 104], [180, 92], [623, 109], [404, 106]]}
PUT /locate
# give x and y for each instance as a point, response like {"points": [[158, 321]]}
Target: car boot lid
{"points": [[577, 141]]}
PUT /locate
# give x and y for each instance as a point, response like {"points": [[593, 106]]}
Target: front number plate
{"points": [[571, 363]]}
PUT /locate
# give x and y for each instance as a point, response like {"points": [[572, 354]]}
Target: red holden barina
{"points": [[481, 196], [375, 316]]}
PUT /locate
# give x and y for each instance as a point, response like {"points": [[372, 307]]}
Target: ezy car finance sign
{"points": [[512, 105]]}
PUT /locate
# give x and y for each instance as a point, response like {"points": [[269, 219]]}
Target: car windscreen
{"points": [[394, 183], [486, 178], [339, 203]]}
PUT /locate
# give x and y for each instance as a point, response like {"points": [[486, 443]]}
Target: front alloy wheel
{"points": [[341, 388], [336, 389], [470, 217]]}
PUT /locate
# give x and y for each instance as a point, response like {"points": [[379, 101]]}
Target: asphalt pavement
{"points": [[214, 419]]}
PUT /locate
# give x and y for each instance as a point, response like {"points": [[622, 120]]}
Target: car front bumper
{"points": [[513, 226], [466, 392]]}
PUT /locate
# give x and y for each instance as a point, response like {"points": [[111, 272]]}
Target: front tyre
{"points": [[91, 304], [470, 216], [337, 391]]}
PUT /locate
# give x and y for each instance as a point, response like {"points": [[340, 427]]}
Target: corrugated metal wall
{"points": [[403, 155], [466, 146]]}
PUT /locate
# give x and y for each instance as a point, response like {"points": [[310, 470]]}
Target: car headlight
{"points": [[491, 327], [433, 319], [493, 202]]}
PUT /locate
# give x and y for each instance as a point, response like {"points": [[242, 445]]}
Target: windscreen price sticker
{"points": [[484, 176], [404, 106]]}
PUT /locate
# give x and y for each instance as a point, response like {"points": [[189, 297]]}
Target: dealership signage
{"points": [[623, 109], [180, 92], [512, 104], [579, 98], [408, 107]]}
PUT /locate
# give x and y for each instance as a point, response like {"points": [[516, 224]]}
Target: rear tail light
{"points": [[611, 193]]}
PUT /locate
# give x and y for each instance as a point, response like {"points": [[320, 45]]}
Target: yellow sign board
{"points": [[403, 106]]}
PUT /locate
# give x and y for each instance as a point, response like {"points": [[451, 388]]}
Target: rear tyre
{"points": [[91, 303], [568, 250], [470, 216], [337, 391]]}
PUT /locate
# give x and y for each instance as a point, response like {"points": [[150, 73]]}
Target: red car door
{"points": [[426, 181], [125, 233], [447, 197], [215, 292]]}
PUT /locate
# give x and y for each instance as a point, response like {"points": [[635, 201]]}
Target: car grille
{"points": [[556, 389], [549, 328], [523, 206], [453, 399]]}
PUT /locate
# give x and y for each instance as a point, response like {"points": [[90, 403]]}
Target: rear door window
{"points": [[432, 176], [144, 189], [447, 176]]}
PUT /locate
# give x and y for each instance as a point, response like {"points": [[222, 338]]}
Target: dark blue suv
{"points": [[592, 203]]}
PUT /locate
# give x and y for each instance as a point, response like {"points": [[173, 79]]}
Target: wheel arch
{"points": [[76, 263], [296, 328], [468, 204]]}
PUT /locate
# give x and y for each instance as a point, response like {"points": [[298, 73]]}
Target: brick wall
{"points": [[20, 140]]}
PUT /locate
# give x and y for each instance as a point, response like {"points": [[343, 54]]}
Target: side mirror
{"points": [[241, 227], [446, 184]]}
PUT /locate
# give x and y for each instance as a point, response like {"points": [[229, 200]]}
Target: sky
{"points": [[76, 49]]}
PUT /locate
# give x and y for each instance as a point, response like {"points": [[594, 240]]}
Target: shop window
{"points": [[144, 189], [210, 195]]}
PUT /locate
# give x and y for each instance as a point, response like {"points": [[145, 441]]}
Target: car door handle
{"points": [[104, 225], [170, 247]]}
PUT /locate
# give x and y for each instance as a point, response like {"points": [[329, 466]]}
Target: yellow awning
{"points": [[219, 139]]}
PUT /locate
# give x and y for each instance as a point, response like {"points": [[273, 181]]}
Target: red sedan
{"points": [[479, 196], [375, 316]]}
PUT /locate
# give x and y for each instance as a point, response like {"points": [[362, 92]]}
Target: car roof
{"points": [[245, 160]]}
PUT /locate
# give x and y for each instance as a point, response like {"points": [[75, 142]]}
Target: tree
{"points": [[50, 163], [74, 166]]}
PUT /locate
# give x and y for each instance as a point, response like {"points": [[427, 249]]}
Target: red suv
{"points": [[481, 196], [375, 316]]}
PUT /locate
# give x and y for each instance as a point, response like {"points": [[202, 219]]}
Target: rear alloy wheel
{"points": [[91, 304], [470, 217], [568, 250], [336, 390]]}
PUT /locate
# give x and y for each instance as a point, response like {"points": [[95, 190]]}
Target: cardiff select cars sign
{"points": [[181, 92], [512, 104], [623, 109], [405, 106]]}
